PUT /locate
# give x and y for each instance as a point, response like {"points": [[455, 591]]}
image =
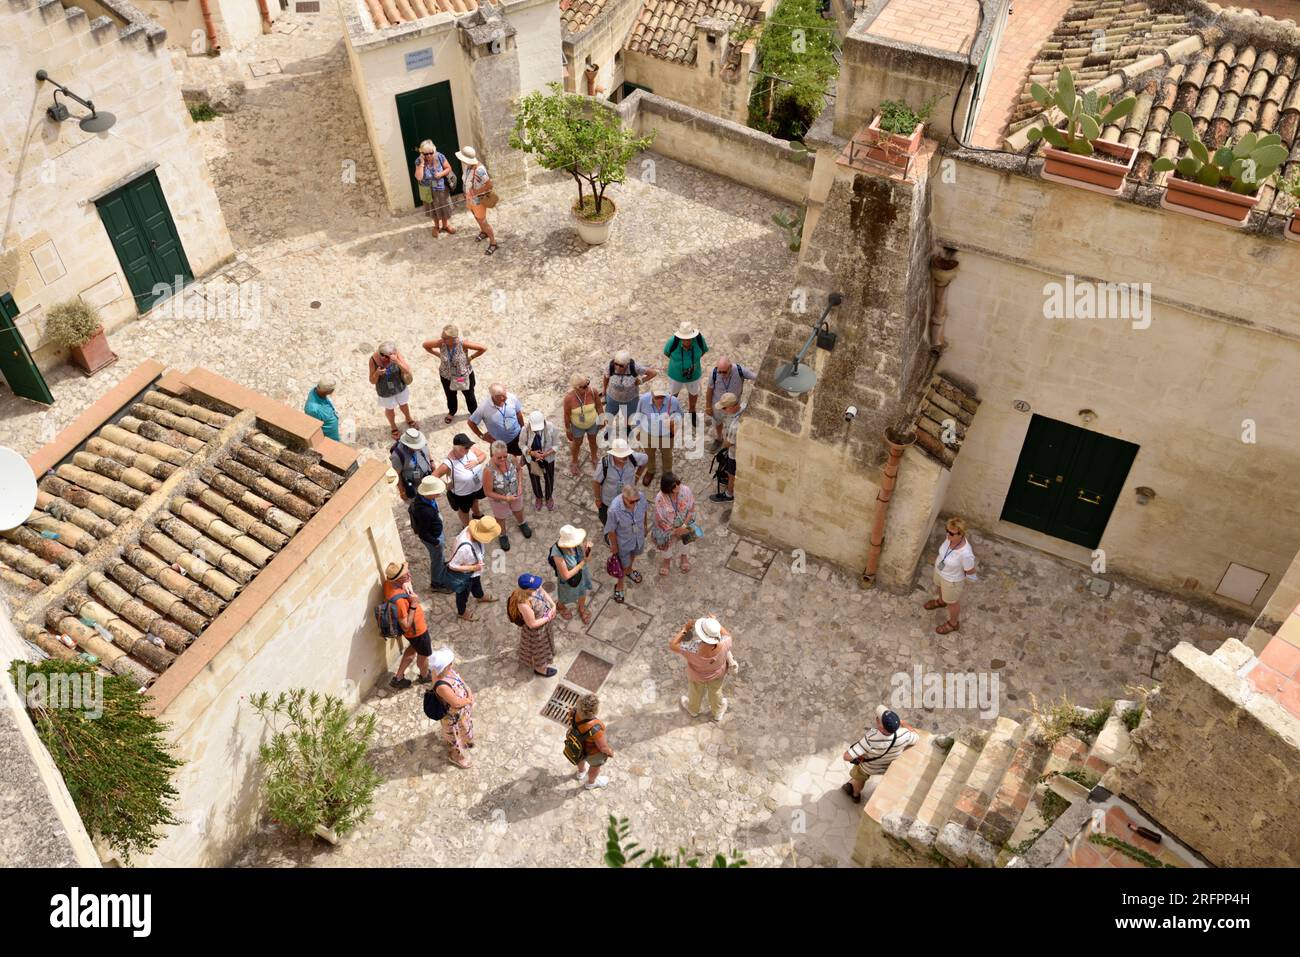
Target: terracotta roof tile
{"points": [[666, 29]]}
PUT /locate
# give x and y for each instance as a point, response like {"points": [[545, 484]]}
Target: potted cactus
{"points": [[894, 135], [75, 326], [1075, 153], [1219, 186], [1291, 186]]}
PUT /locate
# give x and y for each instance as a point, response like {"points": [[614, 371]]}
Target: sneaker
{"points": [[523, 527], [505, 542], [399, 683], [600, 782], [423, 679], [579, 775], [721, 497], [550, 504], [721, 711], [537, 505], [686, 706]]}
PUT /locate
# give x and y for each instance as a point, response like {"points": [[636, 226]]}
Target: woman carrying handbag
{"points": [[479, 196]]}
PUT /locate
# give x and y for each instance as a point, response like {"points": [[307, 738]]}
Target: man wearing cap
{"points": [[410, 613], [426, 522], [876, 751], [685, 352], [467, 559], [409, 457], [319, 405], [625, 530], [619, 466], [540, 441], [658, 418], [502, 417], [706, 646], [729, 408], [727, 378]]}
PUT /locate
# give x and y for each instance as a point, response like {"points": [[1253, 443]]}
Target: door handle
{"points": [[1038, 484], [1091, 501]]}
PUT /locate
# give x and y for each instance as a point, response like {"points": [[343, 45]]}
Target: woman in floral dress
{"points": [[537, 609], [458, 724], [674, 518]]}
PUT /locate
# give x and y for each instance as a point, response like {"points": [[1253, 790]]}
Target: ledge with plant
{"points": [[894, 136], [1076, 154], [1290, 186], [77, 327]]}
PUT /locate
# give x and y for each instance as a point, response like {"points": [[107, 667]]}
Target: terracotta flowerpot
{"points": [[93, 354], [1090, 172], [1292, 231], [892, 149], [594, 233], [1207, 202]]}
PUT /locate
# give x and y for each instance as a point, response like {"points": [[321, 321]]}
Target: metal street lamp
{"points": [[97, 122], [797, 378]]}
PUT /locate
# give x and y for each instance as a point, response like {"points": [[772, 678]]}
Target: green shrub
{"points": [[622, 852], [796, 57], [72, 323], [901, 119], [202, 112]]}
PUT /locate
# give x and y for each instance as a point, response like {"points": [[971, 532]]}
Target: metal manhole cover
{"points": [[588, 671], [751, 559], [264, 67], [561, 703]]}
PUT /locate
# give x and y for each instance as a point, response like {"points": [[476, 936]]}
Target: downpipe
{"points": [[898, 443]]}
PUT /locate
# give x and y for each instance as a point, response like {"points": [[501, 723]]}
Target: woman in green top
{"points": [[685, 352]]}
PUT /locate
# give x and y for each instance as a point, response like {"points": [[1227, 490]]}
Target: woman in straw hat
{"points": [[706, 646], [685, 352], [458, 723], [467, 560], [569, 556], [537, 610], [478, 184]]}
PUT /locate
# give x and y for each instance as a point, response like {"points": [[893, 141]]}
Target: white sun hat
{"points": [[571, 536], [687, 330], [467, 155], [537, 420], [708, 630], [619, 449]]}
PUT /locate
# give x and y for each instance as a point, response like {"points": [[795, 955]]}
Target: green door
{"points": [[16, 359], [145, 238], [1067, 481], [427, 114]]}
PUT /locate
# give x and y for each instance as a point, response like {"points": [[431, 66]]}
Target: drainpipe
{"points": [[942, 270], [898, 444], [214, 46], [266, 16]]}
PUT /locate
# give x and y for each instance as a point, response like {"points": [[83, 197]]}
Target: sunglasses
{"points": [[951, 532]]}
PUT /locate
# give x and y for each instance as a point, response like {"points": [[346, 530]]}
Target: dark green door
{"points": [[16, 359], [427, 114], [1067, 481], [145, 238]]}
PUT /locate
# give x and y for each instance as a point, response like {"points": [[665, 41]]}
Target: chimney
{"points": [[711, 36]]}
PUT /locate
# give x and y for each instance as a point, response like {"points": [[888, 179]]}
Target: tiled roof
{"points": [[388, 13], [576, 15], [946, 412], [133, 573], [666, 28]]}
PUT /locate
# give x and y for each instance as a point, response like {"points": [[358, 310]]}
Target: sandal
{"points": [[847, 788], [934, 603], [449, 230], [947, 628], [463, 762], [548, 673], [468, 616], [480, 237], [663, 569], [618, 595], [565, 613], [448, 419], [492, 247], [585, 615], [486, 599], [635, 577], [397, 433], [685, 564]]}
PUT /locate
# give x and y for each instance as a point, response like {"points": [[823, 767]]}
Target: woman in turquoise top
{"points": [[568, 556], [685, 352]]}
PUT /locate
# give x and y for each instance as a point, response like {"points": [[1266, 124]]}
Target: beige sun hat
{"points": [[414, 439], [619, 449], [571, 536], [708, 630], [687, 330], [431, 485], [484, 529], [727, 401], [468, 155]]}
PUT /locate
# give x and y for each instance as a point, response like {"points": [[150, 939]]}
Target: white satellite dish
{"points": [[17, 489]]}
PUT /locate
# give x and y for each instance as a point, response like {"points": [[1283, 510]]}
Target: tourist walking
{"points": [[458, 722], [730, 409], [622, 387], [706, 646], [455, 369], [570, 557], [585, 742], [625, 529], [433, 173], [391, 376], [685, 352], [620, 465], [535, 610], [426, 523], [658, 418], [319, 405], [954, 567], [479, 196], [410, 615], [540, 441], [726, 378], [502, 419], [462, 469], [674, 523], [876, 750], [467, 563], [503, 483], [582, 411], [409, 457]]}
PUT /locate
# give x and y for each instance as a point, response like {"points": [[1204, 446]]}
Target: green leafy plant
{"points": [[1242, 167], [793, 225], [741, 34], [1052, 804], [1291, 184], [1128, 850], [796, 63], [1085, 114], [1133, 717], [317, 773], [72, 323], [899, 118], [115, 760], [1058, 718], [620, 851], [202, 112], [584, 138]]}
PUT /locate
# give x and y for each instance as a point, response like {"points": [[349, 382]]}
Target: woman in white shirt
{"points": [[462, 470], [955, 565], [478, 184]]}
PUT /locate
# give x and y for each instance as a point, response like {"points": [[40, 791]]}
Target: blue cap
{"points": [[889, 721], [529, 581]]}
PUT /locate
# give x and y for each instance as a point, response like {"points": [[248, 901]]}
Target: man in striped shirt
{"points": [[876, 751]]}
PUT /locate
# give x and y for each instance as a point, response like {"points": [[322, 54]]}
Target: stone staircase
{"points": [[962, 801]]}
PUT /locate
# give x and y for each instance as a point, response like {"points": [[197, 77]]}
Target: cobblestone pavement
{"points": [[816, 652]]}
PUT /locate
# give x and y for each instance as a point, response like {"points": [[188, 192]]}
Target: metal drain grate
{"points": [[588, 671], [562, 701]]}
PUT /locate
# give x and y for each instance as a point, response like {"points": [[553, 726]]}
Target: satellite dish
{"points": [[98, 122], [17, 489], [796, 378]]}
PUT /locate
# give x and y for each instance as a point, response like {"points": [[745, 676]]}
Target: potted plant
{"points": [[895, 132], [1219, 186], [75, 326], [1075, 153], [1291, 186], [588, 141]]}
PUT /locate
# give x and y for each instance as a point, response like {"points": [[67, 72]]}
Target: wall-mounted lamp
{"points": [[1144, 494], [797, 378], [97, 122]]}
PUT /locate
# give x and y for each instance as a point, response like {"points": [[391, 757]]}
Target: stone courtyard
{"points": [[332, 274]]}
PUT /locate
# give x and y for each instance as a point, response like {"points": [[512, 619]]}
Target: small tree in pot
{"points": [[569, 132], [75, 326]]}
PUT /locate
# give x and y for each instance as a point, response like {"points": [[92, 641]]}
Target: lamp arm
{"points": [[816, 329]]}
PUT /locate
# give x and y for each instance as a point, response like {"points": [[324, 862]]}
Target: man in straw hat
{"points": [[319, 405], [729, 409], [467, 559], [410, 613], [685, 352], [876, 751], [409, 455], [426, 522], [706, 646], [620, 465]]}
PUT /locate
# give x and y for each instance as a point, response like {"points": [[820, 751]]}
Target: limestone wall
{"points": [[55, 245], [1217, 763], [691, 86], [1221, 348], [538, 42], [314, 631]]}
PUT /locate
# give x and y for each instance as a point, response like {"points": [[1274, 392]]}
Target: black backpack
{"points": [[412, 472], [435, 709], [386, 617], [575, 741]]}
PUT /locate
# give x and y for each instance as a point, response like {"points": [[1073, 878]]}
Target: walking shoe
{"points": [[523, 527], [721, 711], [550, 504], [399, 683], [505, 542], [686, 706], [537, 505], [579, 775], [721, 497], [600, 782], [423, 679]]}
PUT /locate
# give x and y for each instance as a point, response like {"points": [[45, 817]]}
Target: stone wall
{"points": [[55, 245], [692, 85], [602, 41], [1217, 763]]}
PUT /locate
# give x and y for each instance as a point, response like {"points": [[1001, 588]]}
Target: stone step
{"points": [[1068, 752], [944, 791], [956, 836], [902, 788], [1011, 800]]}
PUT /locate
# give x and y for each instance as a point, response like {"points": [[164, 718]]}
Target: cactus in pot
{"points": [[1241, 167], [1085, 114]]}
